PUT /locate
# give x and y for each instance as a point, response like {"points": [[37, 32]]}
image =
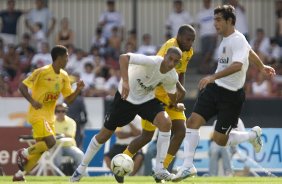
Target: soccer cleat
{"points": [[17, 178], [21, 159], [119, 179], [256, 142], [76, 176], [162, 174], [157, 180], [184, 172]]}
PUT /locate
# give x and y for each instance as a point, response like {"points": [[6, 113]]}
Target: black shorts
{"points": [[123, 112], [226, 104], [119, 148]]}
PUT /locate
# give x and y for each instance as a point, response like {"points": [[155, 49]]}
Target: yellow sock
{"points": [[32, 162], [127, 152], [168, 160], [38, 148]]}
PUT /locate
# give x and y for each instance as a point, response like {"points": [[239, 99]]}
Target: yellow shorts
{"points": [[173, 114], [42, 128]]}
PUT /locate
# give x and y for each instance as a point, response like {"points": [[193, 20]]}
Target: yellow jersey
{"points": [[180, 68], [46, 87]]}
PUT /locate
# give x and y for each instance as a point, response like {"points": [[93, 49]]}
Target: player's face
{"points": [[64, 60], [220, 24], [186, 41], [171, 60]]}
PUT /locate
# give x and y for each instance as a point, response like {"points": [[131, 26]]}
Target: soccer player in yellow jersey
{"points": [[46, 84], [183, 40]]}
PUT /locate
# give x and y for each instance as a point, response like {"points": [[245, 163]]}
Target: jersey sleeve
{"points": [[32, 79], [169, 83], [66, 90], [240, 50]]}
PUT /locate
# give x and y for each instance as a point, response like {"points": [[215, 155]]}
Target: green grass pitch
{"points": [[144, 180]]}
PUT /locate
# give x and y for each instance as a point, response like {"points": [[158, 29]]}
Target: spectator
{"points": [[65, 36], [132, 40], [261, 87], [26, 53], [11, 62], [274, 53], [76, 64], [99, 41], [43, 58], [278, 7], [38, 36], [260, 44], [10, 18], [43, 15], [124, 135], [147, 48], [241, 19], [114, 44], [208, 36], [177, 18], [109, 19], [88, 75], [67, 126]]}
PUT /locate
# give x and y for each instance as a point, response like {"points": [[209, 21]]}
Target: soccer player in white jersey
{"points": [[222, 93], [140, 75]]}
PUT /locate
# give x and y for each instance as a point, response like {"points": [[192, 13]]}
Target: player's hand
{"points": [[80, 85], [269, 71], [36, 105], [205, 81], [180, 107], [125, 90]]}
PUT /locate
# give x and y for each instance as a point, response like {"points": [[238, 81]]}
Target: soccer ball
{"points": [[122, 165]]}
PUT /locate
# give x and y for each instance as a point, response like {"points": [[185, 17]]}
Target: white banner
{"points": [[13, 112]]}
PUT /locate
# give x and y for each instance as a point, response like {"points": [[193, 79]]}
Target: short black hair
{"points": [[58, 50], [174, 50], [185, 28], [227, 11]]}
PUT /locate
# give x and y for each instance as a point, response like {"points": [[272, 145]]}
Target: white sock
{"points": [[191, 141], [237, 137], [91, 151], [162, 147], [20, 173], [25, 152]]}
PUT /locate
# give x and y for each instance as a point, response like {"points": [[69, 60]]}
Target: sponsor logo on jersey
{"points": [[49, 97]]}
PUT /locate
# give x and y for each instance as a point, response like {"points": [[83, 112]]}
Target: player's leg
{"points": [[228, 115], [163, 122], [203, 110], [178, 134], [121, 113], [148, 130], [138, 161], [94, 146]]}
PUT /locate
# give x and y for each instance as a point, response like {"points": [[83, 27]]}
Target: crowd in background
{"points": [[98, 67]]}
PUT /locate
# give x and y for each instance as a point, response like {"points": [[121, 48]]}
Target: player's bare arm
{"points": [[124, 62], [24, 91], [267, 70], [233, 68], [80, 85]]}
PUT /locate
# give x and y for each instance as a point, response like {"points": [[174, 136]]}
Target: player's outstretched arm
{"points": [[80, 85], [267, 70]]}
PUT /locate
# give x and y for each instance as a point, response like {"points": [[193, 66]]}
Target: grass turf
{"points": [[143, 180]]}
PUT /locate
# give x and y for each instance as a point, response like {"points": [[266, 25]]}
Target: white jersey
{"points": [[144, 76], [233, 48]]}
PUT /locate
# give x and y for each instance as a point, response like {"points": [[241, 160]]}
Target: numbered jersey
{"points": [[46, 87]]}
